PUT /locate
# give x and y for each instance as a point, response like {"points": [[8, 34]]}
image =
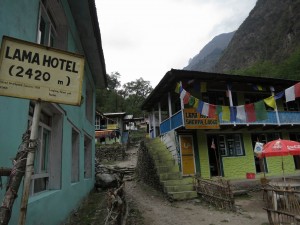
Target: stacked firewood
{"points": [[116, 205]]}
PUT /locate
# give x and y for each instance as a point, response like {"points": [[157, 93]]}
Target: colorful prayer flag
{"points": [[260, 110], [279, 95], [225, 113], [232, 113], [203, 86], [270, 101], [240, 113], [205, 109], [250, 112], [290, 94], [192, 100], [177, 89], [257, 87], [186, 98], [218, 109], [200, 106], [212, 111], [196, 103], [297, 90], [182, 94]]}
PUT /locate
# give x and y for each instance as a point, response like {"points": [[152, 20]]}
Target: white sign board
{"points": [[32, 71]]}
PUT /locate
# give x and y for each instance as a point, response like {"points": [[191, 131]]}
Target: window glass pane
{"points": [[45, 150], [222, 145], [40, 184]]}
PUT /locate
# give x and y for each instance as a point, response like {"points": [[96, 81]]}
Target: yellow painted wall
{"points": [[237, 167], [203, 154]]}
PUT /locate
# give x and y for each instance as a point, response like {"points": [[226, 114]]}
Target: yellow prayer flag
{"points": [[225, 113], [196, 103], [270, 102], [203, 87], [177, 89]]}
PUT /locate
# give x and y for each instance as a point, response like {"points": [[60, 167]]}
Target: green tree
{"points": [[108, 100], [134, 93], [127, 99]]}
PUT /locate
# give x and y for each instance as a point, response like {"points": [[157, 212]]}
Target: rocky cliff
{"points": [[209, 55], [270, 33]]}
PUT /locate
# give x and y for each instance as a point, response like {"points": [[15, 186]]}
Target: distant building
{"points": [[64, 162], [109, 127], [210, 122]]}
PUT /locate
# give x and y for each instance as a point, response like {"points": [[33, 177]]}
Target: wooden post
{"points": [[30, 161]]}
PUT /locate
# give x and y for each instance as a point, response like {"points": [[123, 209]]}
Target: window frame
{"points": [[228, 145], [51, 121]]}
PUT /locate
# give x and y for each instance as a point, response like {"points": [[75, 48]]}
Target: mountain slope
{"points": [[269, 34], [210, 53]]}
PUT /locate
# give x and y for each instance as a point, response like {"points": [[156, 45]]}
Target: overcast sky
{"points": [[146, 38]]}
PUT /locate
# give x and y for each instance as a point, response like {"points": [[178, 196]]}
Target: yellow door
{"points": [[187, 155]]}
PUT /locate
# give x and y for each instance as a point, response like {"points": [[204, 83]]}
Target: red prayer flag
{"points": [[297, 90], [186, 98], [250, 112], [211, 111]]}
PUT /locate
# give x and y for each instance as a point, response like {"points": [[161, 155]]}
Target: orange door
{"points": [[187, 155]]}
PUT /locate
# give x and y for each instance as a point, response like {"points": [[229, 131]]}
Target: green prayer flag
{"points": [[260, 110]]}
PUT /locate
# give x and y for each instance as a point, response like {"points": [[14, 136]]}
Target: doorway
{"points": [[260, 163], [187, 155], [215, 164]]}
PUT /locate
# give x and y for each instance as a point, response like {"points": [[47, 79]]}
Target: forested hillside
{"points": [[267, 43]]}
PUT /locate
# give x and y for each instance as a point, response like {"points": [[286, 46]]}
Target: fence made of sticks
{"points": [[216, 192], [282, 205]]}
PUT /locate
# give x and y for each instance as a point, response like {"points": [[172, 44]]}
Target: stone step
{"points": [[164, 156], [183, 195], [179, 188], [167, 169], [170, 163], [170, 176], [182, 181]]}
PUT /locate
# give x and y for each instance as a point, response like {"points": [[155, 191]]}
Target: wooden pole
{"points": [[15, 177], [30, 161]]}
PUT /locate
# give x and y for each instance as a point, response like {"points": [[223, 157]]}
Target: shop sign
{"points": [[194, 120]]}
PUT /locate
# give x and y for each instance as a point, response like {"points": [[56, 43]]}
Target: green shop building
{"points": [[48, 41], [211, 122]]}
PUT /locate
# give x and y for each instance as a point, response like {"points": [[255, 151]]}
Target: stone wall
{"points": [[145, 169], [112, 152]]}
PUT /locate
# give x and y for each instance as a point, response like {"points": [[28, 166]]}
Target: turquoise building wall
{"points": [[19, 19]]}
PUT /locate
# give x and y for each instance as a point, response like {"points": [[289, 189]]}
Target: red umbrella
{"points": [[280, 147]]}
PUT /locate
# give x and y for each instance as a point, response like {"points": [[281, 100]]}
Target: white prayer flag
{"points": [[241, 113], [290, 94]]}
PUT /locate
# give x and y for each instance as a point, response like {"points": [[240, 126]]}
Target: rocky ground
{"points": [[147, 206]]}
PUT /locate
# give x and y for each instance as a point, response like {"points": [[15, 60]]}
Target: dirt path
{"points": [[156, 210]]}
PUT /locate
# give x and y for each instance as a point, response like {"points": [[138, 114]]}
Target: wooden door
{"points": [[187, 155]]}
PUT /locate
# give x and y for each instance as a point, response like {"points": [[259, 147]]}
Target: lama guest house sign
{"points": [[194, 120], [32, 71]]}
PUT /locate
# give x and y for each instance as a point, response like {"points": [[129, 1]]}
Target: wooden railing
{"points": [[282, 118], [282, 205], [216, 192]]}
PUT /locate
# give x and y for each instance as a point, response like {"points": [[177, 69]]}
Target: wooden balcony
{"points": [[283, 118]]}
